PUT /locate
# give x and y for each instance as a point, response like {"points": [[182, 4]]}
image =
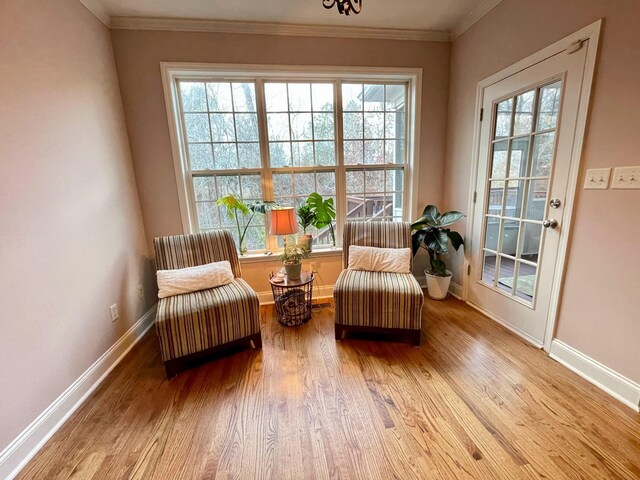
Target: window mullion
{"points": [[408, 166], [341, 179], [266, 176]]}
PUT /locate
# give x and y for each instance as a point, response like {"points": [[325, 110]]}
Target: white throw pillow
{"points": [[193, 279], [372, 259]]}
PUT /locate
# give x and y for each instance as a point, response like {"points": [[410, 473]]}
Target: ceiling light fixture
{"points": [[344, 6]]}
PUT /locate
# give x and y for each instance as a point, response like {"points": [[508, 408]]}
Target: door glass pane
{"points": [[489, 268], [513, 204], [492, 227], [521, 158], [518, 157], [530, 241], [503, 118], [509, 237], [496, 197], [499, 161], [548, 106], [536, 199], [506, 274], [543, 148], [526, 284], [524, 113]]}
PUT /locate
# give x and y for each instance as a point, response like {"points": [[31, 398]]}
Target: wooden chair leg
{"points": [[171, 370], [256, 340]]}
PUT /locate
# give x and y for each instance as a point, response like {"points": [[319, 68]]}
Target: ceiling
{"points": [[427, 15]]}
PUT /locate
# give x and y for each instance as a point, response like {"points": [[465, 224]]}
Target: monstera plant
{"points": [[325, 213], [235, 206], [431, 232]]}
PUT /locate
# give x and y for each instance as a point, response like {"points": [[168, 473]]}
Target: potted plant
{"points": [[431, 233], [292, 256], [325, 213], [235, 206], [306, 217]]}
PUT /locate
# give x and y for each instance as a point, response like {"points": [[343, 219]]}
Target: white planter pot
{"points": [[438, 287]]}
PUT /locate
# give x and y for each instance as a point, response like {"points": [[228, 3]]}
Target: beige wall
{"points": [[70, 225], [599, 313], [139, 53]]}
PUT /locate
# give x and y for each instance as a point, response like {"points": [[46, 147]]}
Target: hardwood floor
{"points": [[474, 401]]}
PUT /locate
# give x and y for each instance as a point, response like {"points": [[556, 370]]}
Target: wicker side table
{"points": [[293, 299]]}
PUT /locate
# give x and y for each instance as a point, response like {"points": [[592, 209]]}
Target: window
{"points": [[268, 138]]}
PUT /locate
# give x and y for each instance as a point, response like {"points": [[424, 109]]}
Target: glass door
{"points": [[523, 147]]}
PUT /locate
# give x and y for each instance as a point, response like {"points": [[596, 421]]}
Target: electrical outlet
{"points": [[140, 291], [626, 178], [114, 312], [313, 266], [597, 179]]}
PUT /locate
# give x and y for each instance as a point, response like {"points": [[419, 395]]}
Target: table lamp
{"points": [[283, 222]]}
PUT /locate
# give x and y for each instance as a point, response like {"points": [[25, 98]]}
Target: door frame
{"points": [[592, 34]]}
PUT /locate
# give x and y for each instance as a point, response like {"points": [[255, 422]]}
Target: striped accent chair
{"points": [[377, 301], [194, 325]]}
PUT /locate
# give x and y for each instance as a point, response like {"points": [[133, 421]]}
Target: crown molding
{"points": [[264, 28], [473, 17], [96, 7]]}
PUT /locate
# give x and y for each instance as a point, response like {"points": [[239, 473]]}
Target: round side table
{"points": [[293, 299]]}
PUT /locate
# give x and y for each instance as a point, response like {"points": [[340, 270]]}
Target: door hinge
{"points": [[475, 197], [481, 114], [574, 47], [469, 269]]}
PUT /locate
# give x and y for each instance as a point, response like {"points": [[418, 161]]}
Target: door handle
{"points": [[550, 223]]}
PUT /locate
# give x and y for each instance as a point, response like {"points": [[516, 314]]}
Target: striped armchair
{"points": [[193, 325], [377, 301]]}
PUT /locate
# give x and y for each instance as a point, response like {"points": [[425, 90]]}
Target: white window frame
{"points": [[173, 72]]}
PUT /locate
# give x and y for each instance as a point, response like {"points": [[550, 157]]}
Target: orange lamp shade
{"points": [[283, 221]]}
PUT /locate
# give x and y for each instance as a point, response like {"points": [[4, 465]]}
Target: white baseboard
{"points": [[616, 385], [32, 439], [455, 289], [324, 291], [508, 326]]}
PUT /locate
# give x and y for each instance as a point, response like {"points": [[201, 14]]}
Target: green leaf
{"points": [[262, 207], [233, 204], [437, 241], [417, 240], [431, 240], [431, 214], [456, 239], [449, 218], [324, 210], [423, 222], [306, 216]]}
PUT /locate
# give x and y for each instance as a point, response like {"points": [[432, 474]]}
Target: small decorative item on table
{"points": [[292, 298]]}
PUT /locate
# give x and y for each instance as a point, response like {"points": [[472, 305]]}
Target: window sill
{"points": [[263, 258]]}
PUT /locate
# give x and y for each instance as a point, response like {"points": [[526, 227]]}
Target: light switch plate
{"points": [[626, 178], [597, 179]]}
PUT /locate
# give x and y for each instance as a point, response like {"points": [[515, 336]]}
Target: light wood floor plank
{"points": [[473, 402]]}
